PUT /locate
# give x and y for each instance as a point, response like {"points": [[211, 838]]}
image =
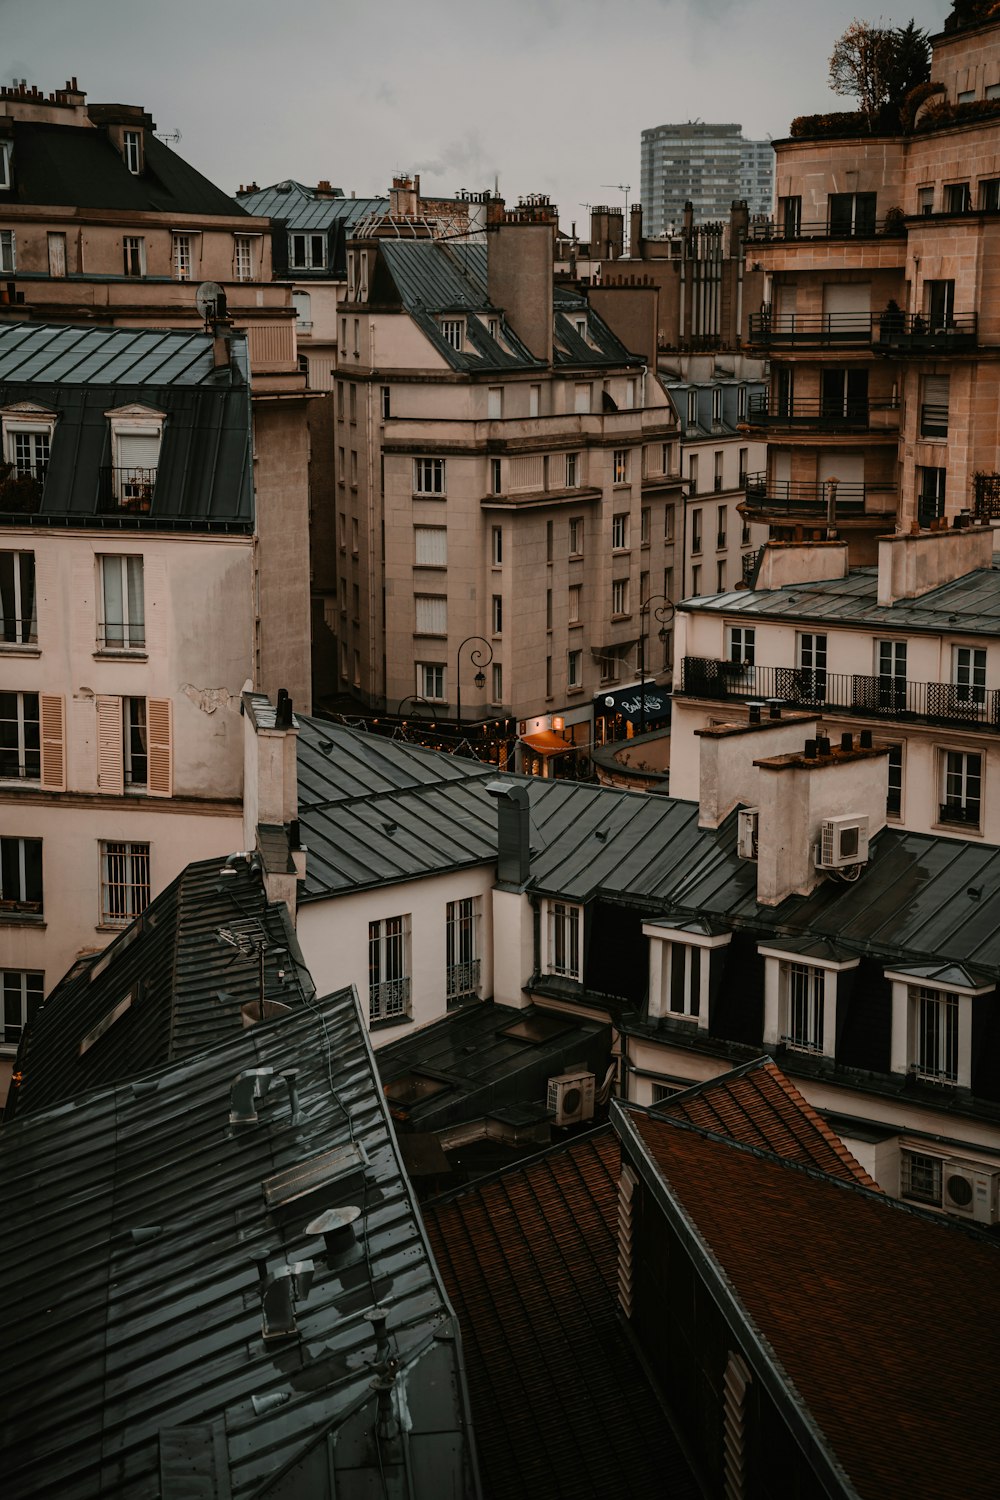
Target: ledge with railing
{"points": [[843, 692], [463, 981], [987, 496], [856, 226], [890, 331], [127, 490], [389, 1000], [824, 413], [820, 498]]}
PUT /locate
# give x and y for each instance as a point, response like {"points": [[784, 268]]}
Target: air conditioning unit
{"points": [[842, 842], [748, 820], [571, 1098], [969, 1192]]}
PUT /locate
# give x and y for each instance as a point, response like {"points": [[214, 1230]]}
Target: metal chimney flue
{"points": [[336, 1226], [810, 750], [246, 1088], [823, 744], [847, 740], [867, 743], [280, 1290]]}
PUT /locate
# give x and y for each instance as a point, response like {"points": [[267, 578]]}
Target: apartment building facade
{"points": [[126, 599], [504, 468], [102, 223], [704, 165], [881, 320]]}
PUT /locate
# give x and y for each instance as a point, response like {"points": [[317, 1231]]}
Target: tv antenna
{"points": [[626, 188], [171, 137]]}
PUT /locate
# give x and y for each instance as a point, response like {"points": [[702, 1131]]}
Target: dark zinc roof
{"points": [[77, 166], [204, 477], [138, 1223], [182, 976], [301, 209]]}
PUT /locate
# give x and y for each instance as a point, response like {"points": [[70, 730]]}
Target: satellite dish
{"points": [[210, 300]]}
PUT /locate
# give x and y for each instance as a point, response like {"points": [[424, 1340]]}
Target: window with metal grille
{"points": [[803, 1007], [920, 1177], [564, 940], [428, 476], [936, 1035], [462, 956], [124, 882], [20, 875], [123, 622], [388, 968], [20, 737], [452, 331], [18, 621], [21, 993]]}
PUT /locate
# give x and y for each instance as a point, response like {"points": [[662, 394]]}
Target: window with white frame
{"points": [[576, 536], [21, 991], [741, 403], [182, 257], [363, 276], [452, 331], [717, 404], [306, 252], [962, 787], [564, 951], [740, 644], [18, 619], [122, 623], [20, 737], [496, 546], [802, 1002], [20, 876], [28, 451], [932, 1024], [572, 470], [135, 744], [496, 614], [574, 669], [619, 532], [389, 968], [132, 151], [430, 546], [136, 436], [619, 596], [920, 1177], [243, 257], [428, 476], [683, 990], [968, 673], [124, 882], [8, 252], [133, 255], [497, 685], [936, 1034], [894, 790], [431, 614], [302, 302], [692, 408], [620, 466], [462, 950], [431, 681]]}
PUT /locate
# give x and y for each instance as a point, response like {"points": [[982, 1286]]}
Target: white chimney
{"points": [[728, 755]]}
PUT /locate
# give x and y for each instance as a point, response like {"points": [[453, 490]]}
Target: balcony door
{"points": [[844, 395], [892, 676], [940, 303], [852, 213], [847, 310]]}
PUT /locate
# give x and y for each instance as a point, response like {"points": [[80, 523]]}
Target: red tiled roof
{"points": [[759, 1106], [560, 1402], [884, 1320]]}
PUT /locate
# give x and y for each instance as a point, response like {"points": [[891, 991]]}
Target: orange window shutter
{"points": [[110, 746], [53, 716], [159, 726]]}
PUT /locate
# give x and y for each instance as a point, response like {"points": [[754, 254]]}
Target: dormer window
{"points": [[932, 1007], [452, 331], [132, 151], [28, 431], [800, 994], [136, 434], [680, 968], [307, 252]]}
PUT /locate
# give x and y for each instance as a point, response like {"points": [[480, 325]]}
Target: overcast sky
{"points": [[551, 95]]}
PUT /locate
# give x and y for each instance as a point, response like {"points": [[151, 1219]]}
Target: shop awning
{"points": [[627, 701], [546, 743]]}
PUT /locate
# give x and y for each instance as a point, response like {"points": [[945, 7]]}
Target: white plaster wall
{"points": [[333, 934]]}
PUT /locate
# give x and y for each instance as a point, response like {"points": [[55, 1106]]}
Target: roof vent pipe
{"points": [[283, 710], [279, 1292], [513, 831], [291, 1077], [756, 709], [339, 1234], [823, 744], [246, 1088], [847, 740], [866, 739], [774, 707], [810, 751]]}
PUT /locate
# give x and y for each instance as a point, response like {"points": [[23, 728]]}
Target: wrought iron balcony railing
{"points": [[820, 413], [128, 490], [463, 980], [388, 999], [21, 489], [806, 498], [904, 333], [845, 692], [987, 489], [889, 331], [805, 329]]}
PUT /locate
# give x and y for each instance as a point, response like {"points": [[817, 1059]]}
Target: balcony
{"points": [[21, 489], [855, 226], [816, 500], [897, 332], [125, 491], [823, 414], [887, 332], [886, 698], [987, 490]]}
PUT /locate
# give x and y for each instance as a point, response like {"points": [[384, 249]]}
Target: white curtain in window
{"points": [[432, 614]]}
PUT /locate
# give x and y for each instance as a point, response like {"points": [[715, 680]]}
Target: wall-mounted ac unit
{"points": [[969, 1192], [842, 842], [571, 1098], [747, 824]]}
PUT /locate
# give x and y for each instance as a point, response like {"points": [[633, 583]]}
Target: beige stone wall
{"points": [[281, 479]]}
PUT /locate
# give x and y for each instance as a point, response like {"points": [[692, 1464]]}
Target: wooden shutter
{"points": [[53, 716], [110, 746], [159, 724]]}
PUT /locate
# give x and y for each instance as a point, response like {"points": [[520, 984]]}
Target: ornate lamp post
{"points": [[478, 660], [664, 612]]}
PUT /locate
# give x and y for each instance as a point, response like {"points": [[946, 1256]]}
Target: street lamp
{"points": [[663, 612], [478, 661]]}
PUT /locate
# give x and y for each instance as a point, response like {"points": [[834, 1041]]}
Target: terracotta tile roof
{"points": [[560, 1402], [759, 1106], [858, 1297]]}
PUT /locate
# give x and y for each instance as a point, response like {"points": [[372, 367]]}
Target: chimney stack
{"points": [[513, 831], [519, 275]]}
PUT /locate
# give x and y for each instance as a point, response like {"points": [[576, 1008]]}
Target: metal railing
{"points": [[851, 692], [768, 327], [905, 332], [463, 979], [987, 493], [890, 329], [750, 561], [126, 489], [825, 413], [388, 999], [857, 226], [21, 490], [814, 498]]}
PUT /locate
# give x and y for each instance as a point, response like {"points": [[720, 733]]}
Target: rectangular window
{"points": [[939, 304], [452, 330], [930, 494], [132, 151], [619, 532], [936, 1034], [18, 622], [741, 644], [357, 337], [124, 882], [123, 623], [29, 454], [386, 403], [667, 458], [790, 216], [462, 950], [134, 255], [548, 541], [363, 284], [693, 474], [894, 794], [668, 524], [741, 403], [496, 614], [428, 476], [356, 602], [21, 991], [548, 677], [306, 251], [934, 406], [968, 673], [717, 473], [564, 940], [644, 525], [696, 531], [720, 578], [721, 522], [5, 150], [574, 669], [431, 614], [920, 1177], [430, 545], [497, 683], [925, 201], [496, 546], [8, 252], [619, 596], [548, 609], [388, 969], [957, 198], [354, 536], [803, 986], [891, 661], [20, 875], [696, 580], [136, 758], [352, 401], [354, 468], [496, 476], [989, 195], [575, 593], [430, 681], [581, 399], [576, 536], [692, 408], [620, 473], [744, 452], [493, 327], [629, 394], [810, 652], [717, 405], [20, 737], [684, 980], [852, 213], [962, 788], [182, 257], [56, 246], [572, 470], [242, 257], [534, 400], [494, 402]]}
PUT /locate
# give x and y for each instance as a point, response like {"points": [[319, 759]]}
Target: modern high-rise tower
{"points": [[708, 165]]}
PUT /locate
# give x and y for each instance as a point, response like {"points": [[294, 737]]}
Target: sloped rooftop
{"points": [[59, 354], [302, 208]]}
